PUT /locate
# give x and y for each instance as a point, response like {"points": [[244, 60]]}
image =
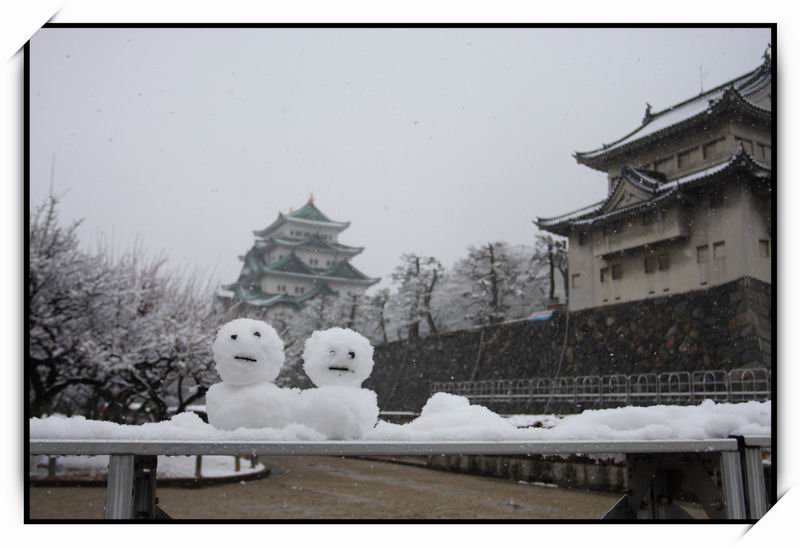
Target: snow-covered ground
{"points": [[446, 417], [85, 467]]}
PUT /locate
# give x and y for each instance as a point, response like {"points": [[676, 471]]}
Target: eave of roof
{"points": [[699, 109], [313, 242], [595, 213]]}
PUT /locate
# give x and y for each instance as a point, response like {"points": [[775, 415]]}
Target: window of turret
{"points": [[764, 151], [702, 254], [719, 250], [576, 281], [650, 265], [713, 149], [763, 248], [687, 158], [583, 238], [616, 272], [663, 261], [663, 165]]}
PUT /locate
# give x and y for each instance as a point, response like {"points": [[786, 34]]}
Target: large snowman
{"points": [[337, 361], [248, 356]]}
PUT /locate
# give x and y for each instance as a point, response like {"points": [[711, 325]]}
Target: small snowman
{"points": [[337, 361], [248, 356]]}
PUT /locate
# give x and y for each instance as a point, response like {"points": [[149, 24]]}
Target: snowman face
{"points": [[337, 357], [248, 351]]}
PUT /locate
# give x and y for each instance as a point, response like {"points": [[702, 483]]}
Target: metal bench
{"points": [[654, 469]]}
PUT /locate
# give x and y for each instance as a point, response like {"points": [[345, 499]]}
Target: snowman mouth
{"points": [[340, 368], [245, 359]]}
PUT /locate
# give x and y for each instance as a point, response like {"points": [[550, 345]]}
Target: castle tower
{"points": [[689, 200], [295, 259]]}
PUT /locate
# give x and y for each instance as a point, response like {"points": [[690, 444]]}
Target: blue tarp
{"points": [[541, 316]]}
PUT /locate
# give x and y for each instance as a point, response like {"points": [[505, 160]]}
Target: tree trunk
{"points": [[496, 316], [552, 262]]}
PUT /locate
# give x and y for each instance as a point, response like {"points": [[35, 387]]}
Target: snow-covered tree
{"points": [[417, 277], [495, 277], [553, 253], [107, 334]]}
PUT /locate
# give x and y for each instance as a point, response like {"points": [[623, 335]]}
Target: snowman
{"points": [[248, 356], [337, 361]]}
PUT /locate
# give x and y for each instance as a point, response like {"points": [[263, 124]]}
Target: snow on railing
{"points": [[677, 387]]}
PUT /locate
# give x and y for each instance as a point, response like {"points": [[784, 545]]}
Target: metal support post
{"points": [[144, 487], [754, 479], [732, 488], [119, 492]]}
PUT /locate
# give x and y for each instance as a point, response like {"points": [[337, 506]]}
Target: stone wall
{"points": [[723, 327]]}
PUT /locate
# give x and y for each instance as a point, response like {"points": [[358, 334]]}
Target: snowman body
{"points": [[248, 355], [259, 405], [337, 361]]}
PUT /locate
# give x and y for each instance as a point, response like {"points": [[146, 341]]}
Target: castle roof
{"points": [[253, 295], [732, 97], [309, 215], [654, 191], [313, 242]]}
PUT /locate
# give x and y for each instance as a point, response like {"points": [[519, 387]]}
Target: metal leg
{"points": [[144, 487], [638, 470], [655, 479], [704, 488], [754, 480], [119, 490], [732, 488]]}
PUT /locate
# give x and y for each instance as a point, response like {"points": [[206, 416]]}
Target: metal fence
{"points": [[679, 387]]}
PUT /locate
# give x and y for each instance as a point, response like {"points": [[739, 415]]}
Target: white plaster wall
{"points": [[741, 221]]}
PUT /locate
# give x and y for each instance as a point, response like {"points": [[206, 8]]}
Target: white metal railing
{"points": [[677, 387], [650, 468]]}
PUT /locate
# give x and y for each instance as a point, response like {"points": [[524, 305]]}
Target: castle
{"points": [[689, 203], [294, 259]]}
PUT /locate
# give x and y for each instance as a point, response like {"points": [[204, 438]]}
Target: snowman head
{"points": [[337, 357], [248, 351]]}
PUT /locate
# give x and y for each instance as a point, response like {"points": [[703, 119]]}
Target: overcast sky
{"points": [[427, 140]]}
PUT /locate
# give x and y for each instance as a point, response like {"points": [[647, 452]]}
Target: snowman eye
{"points": [[257, 334], [234, 336], [352, 355]]}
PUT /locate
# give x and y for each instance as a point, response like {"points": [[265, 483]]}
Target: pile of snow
{"points": [[449, 417], [180, 467], [181, 427], [446, 417]]}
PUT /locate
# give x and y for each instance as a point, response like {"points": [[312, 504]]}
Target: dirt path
{"points": [[332, 488]]}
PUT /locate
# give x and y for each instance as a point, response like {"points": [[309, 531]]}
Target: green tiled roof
{"points": [[316, 243], [255, 297], [290, 264], [344, 269], [310, 212]]}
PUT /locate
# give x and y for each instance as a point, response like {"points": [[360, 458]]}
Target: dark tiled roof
{"points": [[660, 193], [732, 94]]}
